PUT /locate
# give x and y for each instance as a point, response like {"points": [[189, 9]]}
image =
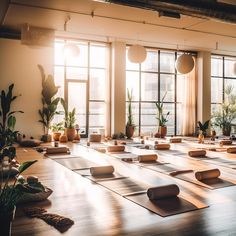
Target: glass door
{"points": [[77, 97]]}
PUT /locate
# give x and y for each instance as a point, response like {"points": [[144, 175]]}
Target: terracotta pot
{"points": [[56, 136], [129, 131], [6, 221], [70, 132], [63, 138], [162, 131]]}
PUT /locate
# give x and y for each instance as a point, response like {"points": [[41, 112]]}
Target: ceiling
{"points": [[111, 22]]}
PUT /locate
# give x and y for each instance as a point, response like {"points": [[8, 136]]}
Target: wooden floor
{"points": [[99, 211]]}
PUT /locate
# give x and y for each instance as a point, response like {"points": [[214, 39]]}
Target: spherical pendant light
{"points": [[184, 63], [137, 53]]}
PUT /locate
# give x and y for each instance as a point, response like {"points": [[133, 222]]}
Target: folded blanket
{"points": [[165, 191], [101, 170], [116, 148], [231, 150], [197, 153], [207, 174], [225, 142], [147, 157], [55, 150], [95, 138], [162, 146]]}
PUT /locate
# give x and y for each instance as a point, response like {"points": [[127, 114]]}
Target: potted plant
{"points": [[226, 115], [203, 127], [130, 126], [49, 109], [10, 192], [161, 118], [70, 119], [56, 128], [8, 119]]}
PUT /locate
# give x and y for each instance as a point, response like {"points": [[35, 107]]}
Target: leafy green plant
{"points": [[11, 193], [130, 121], [7, 116], [69, 117], [56, 127], [203, 126], [49, 109], [226, 115], [161, 117]]}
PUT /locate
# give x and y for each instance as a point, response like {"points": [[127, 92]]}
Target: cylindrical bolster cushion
{"points": [[147, 157], [175, 140], [55, 150], [101, 170], [162, 146], [116, 148], [231, 150], [207, 174], [197, 153], [225, 142], [165, 191], [95, 138]]}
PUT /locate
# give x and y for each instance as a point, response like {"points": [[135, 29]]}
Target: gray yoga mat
{"points": [[125, 186], [165, 207], [61, 156], [76, 163], [86, 173], [207, 183]]}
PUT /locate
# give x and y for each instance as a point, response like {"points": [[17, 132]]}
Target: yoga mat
{"points": [[129, 157], [61, 156], [86, 173], [207, 183], [223, 162], [167, 168], [125, 186], [185, 155], [76, 163], [169, 152], [149, 163], [165, 207]]}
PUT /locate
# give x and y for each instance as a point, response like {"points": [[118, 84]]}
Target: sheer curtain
{"points": [[188, 102]]}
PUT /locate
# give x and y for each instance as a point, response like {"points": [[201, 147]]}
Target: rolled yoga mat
{"points": [[97, 138], [57, 150], [162, 146], [225, 142], [197, 153], [231, 150], [147, 157], [207, 174], [102, 170], [175, 140], [161, 192], [116, 148]]}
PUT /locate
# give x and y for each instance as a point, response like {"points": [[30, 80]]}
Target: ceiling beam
{"points": [[208, 9]]}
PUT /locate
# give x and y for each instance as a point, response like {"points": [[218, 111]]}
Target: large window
{"points": [[82, 80], [222, 74], [149, 82]]}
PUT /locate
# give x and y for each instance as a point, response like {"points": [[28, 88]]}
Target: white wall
{"points": [[18, 65]]}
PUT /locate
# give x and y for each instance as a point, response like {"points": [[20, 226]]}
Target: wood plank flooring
{"points": [[99, 211]]}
